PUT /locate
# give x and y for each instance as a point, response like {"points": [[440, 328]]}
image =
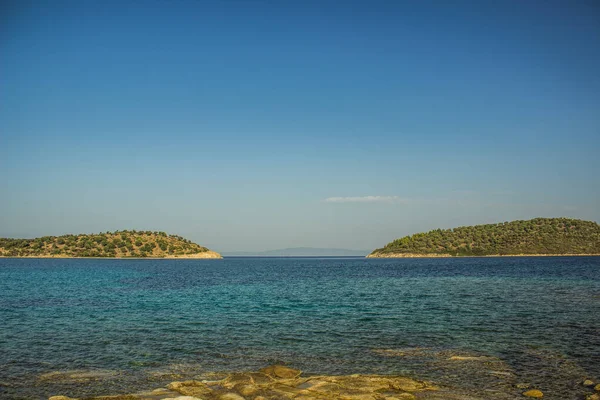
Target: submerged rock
{"points": [[402, 396], [190, 388], [278, 382], [119, 397], [77, 375], [280, 371], [230, 396], [470, 358], [538, 394], [182, 398], [404, 352]]}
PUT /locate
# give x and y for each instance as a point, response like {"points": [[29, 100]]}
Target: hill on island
{"points": [[110, 244], [544, 236]]}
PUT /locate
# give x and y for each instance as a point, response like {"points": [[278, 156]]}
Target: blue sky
{"points": [[253, 125]]}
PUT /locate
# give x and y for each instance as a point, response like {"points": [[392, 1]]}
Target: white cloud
{"points": [[364, 199]]}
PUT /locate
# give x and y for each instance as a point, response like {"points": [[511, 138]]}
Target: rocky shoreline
{"points": [[279, 382], [436, 255]]}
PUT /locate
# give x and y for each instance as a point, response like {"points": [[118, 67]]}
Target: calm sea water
{"points": [[139, 323]]}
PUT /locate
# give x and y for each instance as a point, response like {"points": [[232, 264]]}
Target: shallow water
{"points": [[133, 324]]}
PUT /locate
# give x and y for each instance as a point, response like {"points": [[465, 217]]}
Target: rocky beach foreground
{"points": [[281, 382], [278, 382]]}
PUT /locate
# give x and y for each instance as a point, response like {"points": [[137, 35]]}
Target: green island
{"points": [[538, 236], [117, 244]]}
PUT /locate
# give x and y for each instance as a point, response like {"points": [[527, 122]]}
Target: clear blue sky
{"points": [[253, 125]]}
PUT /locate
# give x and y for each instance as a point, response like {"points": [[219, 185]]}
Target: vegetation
{"points": [[109, 244], [535, 236]]}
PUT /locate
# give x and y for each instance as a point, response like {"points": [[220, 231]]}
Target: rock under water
{"points": [[282, 382]]}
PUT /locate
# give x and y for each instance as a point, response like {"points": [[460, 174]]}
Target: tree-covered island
{"points": [[539, 236], [110, 244]]}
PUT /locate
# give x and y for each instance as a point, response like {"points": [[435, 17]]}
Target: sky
{"points": [[257, 125]]}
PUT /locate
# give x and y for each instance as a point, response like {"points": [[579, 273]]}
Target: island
{"points": [[534, 237], [119, 244]]}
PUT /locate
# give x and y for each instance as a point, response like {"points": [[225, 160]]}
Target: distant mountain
{"points": [[299, 252], [539, 236], [117, 244]]}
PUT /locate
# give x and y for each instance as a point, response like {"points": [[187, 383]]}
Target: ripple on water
{"points": [[533, 317]]}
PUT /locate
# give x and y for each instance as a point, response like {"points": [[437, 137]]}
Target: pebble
{"points": [[538, 394]]}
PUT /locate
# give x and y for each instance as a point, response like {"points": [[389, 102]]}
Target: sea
{"points": [[89, 327]]}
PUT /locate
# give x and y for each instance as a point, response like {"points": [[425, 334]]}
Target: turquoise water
{"points": [[138, 323]]}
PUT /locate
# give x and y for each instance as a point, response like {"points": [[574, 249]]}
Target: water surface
{"points": [[139, 323]]}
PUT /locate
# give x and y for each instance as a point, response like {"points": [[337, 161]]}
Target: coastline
{"points": [[204, 255], [214, 255], [413, 255]]}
